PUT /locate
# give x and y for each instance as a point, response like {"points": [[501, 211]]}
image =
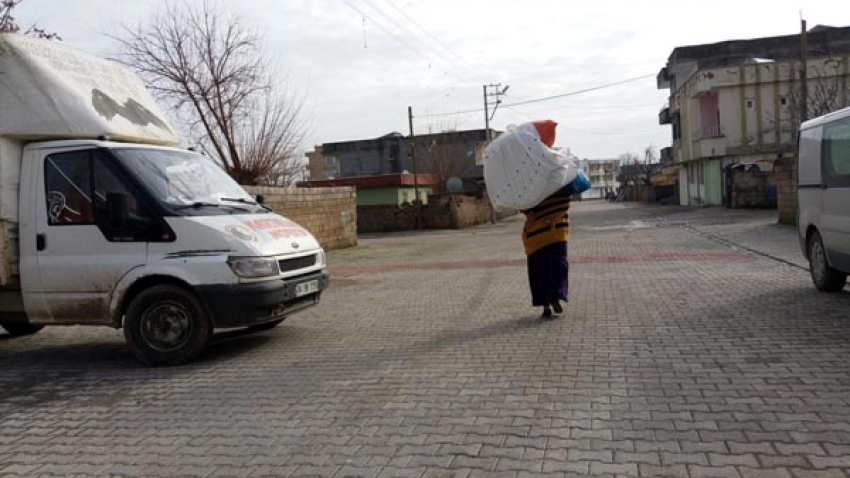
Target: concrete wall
{"points": [[442, 212], [391, 195], [753, 189], [330, 214], [786, 189]]}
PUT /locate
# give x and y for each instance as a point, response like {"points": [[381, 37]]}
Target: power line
{"points": [[586, 90], [401, 39], [472, 67], [600, 133], [548, 98]]}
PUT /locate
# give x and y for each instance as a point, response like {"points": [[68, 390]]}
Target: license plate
{"points": [[306, 288]]}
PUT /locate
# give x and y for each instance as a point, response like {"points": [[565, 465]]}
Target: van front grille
{"points": [[288, 265]]}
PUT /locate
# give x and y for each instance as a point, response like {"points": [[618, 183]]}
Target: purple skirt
{"points": [[548, 274]]}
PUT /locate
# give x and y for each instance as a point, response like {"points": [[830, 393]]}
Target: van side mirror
{"points": [[118, 209], [261, 199]]}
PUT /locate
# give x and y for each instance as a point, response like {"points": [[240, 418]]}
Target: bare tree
{"points": [[445, 156], [8, 24], [824, 92], [824, 96], [7, 21], [273, 149], [637, 171], [208, 65], [648, 165]]}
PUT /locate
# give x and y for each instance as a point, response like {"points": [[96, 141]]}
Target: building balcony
{"points": [[666, 155], [664, 117], [713, 131], [709, 147], [708, 141]]}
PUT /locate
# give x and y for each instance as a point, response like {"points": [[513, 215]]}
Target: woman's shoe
{"points": [[556, 306], [547, 313]]}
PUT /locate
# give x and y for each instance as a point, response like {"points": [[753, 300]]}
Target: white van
{"points": [[824, 198], [104, 222]]}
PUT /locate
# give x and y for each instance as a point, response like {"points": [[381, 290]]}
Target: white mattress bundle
{"points": [[520, 170]]}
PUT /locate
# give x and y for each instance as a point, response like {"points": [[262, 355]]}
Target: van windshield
{"points": [[185, 181]]}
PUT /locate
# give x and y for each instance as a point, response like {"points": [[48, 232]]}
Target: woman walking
{"points": [[545, 236]]}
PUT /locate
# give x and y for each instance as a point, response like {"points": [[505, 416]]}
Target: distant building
{"points": [[603, 174], [737, 103], [442, 155]]}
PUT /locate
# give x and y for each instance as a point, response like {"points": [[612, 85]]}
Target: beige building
{"points": [[738, 103], [603, 176]]}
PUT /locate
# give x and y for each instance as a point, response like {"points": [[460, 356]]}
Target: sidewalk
{"points": [[754, 230]]}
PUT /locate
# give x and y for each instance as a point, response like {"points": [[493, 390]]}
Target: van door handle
{"points": [[40, 242]]}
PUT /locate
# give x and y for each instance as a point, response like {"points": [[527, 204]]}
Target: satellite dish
{"points": [[454, 185]]}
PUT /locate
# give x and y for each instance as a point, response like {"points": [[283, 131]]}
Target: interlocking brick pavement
{"points": [[676, 356]]}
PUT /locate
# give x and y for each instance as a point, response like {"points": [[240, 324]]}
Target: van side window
{"points": [[106, 183], [68, 188], [836, 153]]}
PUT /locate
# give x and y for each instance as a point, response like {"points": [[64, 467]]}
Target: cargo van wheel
{"points": [[21, 329], [166, 325], [826, 279]]}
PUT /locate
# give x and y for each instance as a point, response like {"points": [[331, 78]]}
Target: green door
{"points": [[713, 183]]}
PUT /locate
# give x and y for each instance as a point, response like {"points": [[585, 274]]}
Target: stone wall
{"points": [[8, 254], [441, 212], [753, 189], [330, 214], [786, 189]]}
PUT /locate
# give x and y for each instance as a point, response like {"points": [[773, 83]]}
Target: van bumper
{"points": [[256, 303]]}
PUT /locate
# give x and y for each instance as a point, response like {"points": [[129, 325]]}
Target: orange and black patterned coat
{"points": [[547, 223]]}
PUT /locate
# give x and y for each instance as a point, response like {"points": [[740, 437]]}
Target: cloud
{"points": [[539, 47]]}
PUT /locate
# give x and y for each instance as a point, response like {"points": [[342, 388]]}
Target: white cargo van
{"points": [[824, 198], [104, 222]]}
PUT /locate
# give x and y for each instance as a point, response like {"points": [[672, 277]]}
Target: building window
{"points": [[783, 101], [750, 104], [330, 160]]}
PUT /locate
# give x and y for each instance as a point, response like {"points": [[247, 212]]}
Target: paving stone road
{"points": [[679, 354]]}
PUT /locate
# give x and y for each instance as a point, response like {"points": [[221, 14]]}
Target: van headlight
{"points": [[253, 267], [322, 258]]}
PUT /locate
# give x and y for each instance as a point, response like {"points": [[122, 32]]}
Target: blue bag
{"points": [[578, 185]]}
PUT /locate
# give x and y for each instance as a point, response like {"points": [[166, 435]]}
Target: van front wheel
{"points": [[166, 325], [826, 279]]}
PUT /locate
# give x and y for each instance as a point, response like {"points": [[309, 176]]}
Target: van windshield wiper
{"points": [[246, 201], [239, 200], [200, 204], [197, 205]]}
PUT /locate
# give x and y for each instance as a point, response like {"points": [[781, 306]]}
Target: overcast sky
{"points": [[439, 53]]}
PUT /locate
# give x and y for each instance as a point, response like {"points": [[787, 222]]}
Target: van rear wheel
{"points": [[166, 325], [826, 278], [21, 329]]}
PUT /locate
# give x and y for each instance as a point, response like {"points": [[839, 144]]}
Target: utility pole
{"points": [[415, 175], [486, 116], [487, 95], [804, 87]]}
